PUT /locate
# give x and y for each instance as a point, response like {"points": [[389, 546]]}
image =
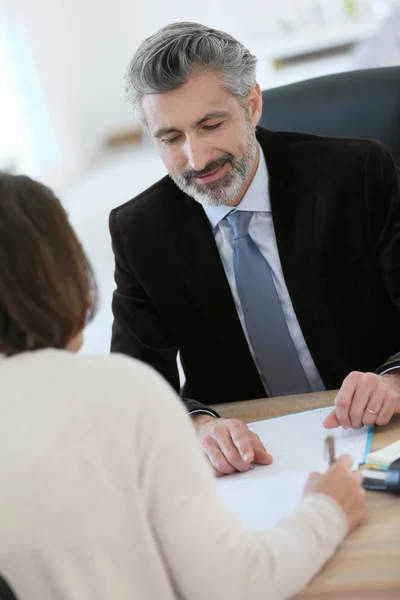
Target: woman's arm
{"points": [[208, 552]]}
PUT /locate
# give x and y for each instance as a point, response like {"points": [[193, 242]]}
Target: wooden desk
{"points": [[367, 564]]}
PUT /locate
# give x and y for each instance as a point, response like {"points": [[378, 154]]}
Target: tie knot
{"points": [[240, 221]]}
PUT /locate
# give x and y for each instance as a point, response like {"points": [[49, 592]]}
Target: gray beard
{"points": [[227, 187]]}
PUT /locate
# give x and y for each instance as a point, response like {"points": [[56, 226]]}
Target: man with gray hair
{"points": [[268, 260]]}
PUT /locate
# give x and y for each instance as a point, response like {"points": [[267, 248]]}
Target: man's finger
{"points": [[213, 469], [358, 406], [386, 412], [369, 391], [344, 399], [232, 455], [331, 421], [261, 456], [240, 435], [216, 458]]}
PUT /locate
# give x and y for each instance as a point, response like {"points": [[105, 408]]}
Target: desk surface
{"points": [[367, 564]]}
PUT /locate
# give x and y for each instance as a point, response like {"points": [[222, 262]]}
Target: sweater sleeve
{"points": [[208, 552]]}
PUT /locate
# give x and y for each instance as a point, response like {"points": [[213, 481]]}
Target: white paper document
{"points": [[263, 496]]}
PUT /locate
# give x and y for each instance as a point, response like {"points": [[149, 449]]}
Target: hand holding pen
{"points": [[341, 484]]}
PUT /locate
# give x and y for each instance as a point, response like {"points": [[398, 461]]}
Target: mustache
{"points": [[213, 165]]}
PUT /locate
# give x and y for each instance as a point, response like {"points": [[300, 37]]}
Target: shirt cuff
{"points": [[202, 411], [397, 368]]}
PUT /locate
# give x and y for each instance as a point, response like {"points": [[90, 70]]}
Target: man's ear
{"points": [[254, 104]]}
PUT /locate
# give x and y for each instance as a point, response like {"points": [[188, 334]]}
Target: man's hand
{"points": [[229, 445], [365, 399], [344, 487]]}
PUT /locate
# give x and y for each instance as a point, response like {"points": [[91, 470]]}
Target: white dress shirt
{"points": [[262, 232]]}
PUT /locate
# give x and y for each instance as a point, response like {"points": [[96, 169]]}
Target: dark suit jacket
{"points": [[6, 592], [336, 210]]}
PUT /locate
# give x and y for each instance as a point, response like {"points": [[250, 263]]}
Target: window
{"points": [[26, 139]]}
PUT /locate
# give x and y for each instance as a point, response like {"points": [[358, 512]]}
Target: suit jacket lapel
{"points": [[195, 250], [293, 205], [292, 212]]}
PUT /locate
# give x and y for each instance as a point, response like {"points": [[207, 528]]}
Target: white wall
{"points": [[82, 47]]}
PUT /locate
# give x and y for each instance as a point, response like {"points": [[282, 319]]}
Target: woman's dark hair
{"points": [[47, 286]]}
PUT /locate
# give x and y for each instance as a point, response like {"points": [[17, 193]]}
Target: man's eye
{"points": [[211, 127], [169, 141]]}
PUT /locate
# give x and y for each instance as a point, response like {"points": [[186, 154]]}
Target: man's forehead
{"points": [[187, 105]]}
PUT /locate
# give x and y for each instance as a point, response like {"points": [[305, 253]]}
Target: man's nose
{"points": [[197, 154]]}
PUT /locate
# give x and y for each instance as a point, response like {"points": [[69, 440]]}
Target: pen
{"points": [[330, 448]]}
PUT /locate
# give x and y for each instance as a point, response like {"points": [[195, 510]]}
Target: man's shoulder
{"points": [[154, 211], [159, 192], [326, 147], [322, 160], [319, 141]]}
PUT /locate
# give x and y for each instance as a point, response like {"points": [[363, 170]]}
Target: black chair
{"points": [[359, 104], [6, 592]]}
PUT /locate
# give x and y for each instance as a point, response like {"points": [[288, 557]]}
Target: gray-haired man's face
{"points": [[205, 138]]}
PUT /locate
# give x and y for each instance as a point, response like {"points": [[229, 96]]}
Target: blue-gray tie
{"points": [[265, 322]]}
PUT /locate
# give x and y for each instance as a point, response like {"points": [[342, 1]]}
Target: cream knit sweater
{"points": [[105, 494]]}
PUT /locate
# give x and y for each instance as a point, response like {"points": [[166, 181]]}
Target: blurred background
{"points": [[63, 117]]}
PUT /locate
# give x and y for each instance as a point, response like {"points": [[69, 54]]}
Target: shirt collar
{"points": [[256, 198]]}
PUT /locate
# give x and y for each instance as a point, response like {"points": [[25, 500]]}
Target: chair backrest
{"points": [[6, 592], [360, 104]]}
